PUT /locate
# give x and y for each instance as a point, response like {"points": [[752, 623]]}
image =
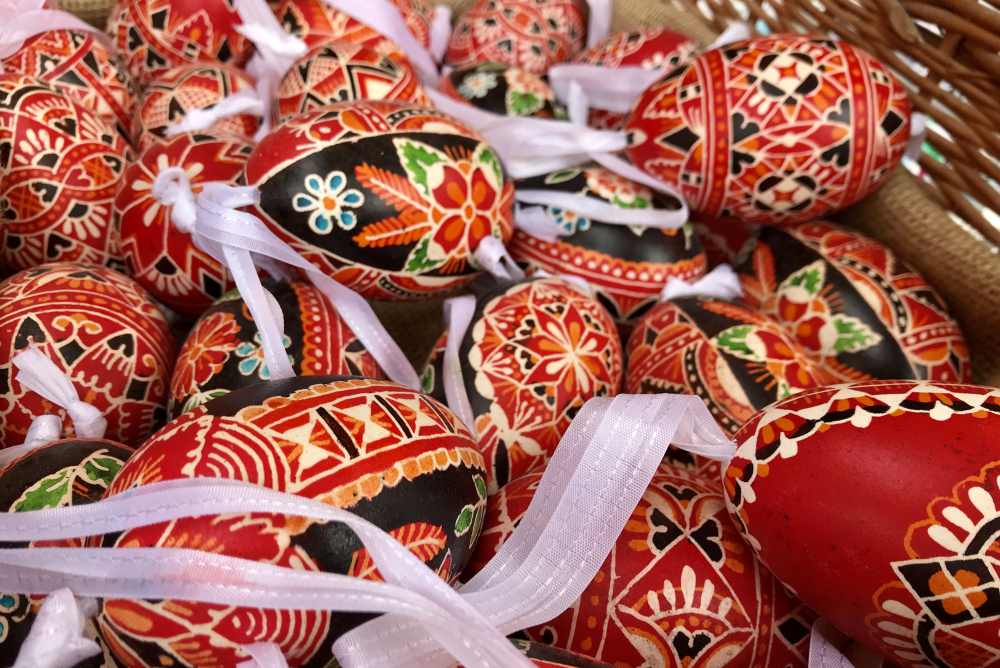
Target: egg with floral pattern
{"points": [[853, 306], [680, 587], [388, 454], [223, 351], [735, 359], [343, 71], [388, 198], [59, 474], [530, 34], [103, 331], [505, 90], [536, 351], [627, 266], [877, 502], [773, 129]]}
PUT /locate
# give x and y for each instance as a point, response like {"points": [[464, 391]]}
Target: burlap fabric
{"points": [[961, 264]]}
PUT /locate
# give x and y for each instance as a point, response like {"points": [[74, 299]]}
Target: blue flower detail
{"points": [[253, 357], [327, 202], [569, 221]]}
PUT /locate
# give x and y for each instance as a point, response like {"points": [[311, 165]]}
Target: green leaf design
{"points": [[427, 380], [418, 260], [465, 519], [853, 335], [639, 202], [51, 491], [562, 176], [734, 342], [416, 157], [523, 104], [480, 487], [810, 278], [100, 468], [488, 158]]}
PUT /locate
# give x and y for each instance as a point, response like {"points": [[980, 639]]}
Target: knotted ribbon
{"points": [[720, 283]]}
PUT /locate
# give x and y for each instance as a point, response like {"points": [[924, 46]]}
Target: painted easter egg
{"points": [[531, 34], [385, 197], [855, 308], [505, 90], [102, 330], [652, 48], [172, 268], [545, 656], [341, 72], [774, 129], [81, 67], [389, 454], [680, 587], [60, 166], [735, 359], [223, 351], [171, 95], [626, 266], [56, 475], [877, 503], [726, 241], [154, 35], [535, 353]]}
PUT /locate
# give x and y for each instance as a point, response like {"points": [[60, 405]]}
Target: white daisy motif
{"points": [[327, 202]]}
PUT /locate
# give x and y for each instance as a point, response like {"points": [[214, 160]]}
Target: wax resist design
{"points": [[530, 34], [79, 66], [172, 268], [626, 266], [680, 588], [853, 306], [62, 166], [389, 454], [504, 90], [773, 130], [387, 198], [930, 585], [92, 323], [735, 359], [223, 351]]}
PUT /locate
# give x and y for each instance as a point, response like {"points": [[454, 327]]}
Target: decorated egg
{"points": [[341, 72], [732, 357], [626, 265], [726, 241], [853, 306], [530, 34], [171, 95], [81, 67], [161, 257], [56, 475], [385, 197], [535, 353], [154, 35], [388, 454], [223, 351], [680, 587], [774, 129], [60, 166], [877, 503], [652, 48], [505, 90], [102, 330], [545, 656]]}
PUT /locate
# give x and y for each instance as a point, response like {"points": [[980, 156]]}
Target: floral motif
{"points": [[205, 352], [618, 190], [477, 85], [527, 93], [327, 202], [253, 357], [570, 221]]}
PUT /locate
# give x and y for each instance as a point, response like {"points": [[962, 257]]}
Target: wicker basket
{"points": [[946, 51]]}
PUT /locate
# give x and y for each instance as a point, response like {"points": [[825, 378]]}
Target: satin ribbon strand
{"points": [[736, 31], [538, 222], [599, 20], [918, 136], [38, 373], [614, 89], [56, 637], [604, 212], [440, 31], [458, 313], [195, 120], [720, 283], [263, 655]]}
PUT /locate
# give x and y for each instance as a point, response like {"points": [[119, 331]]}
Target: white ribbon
{"points": [[440, 32], [610, 88], [604, 212], [492, 256], [56, 638], [918, 135], [458, 313], [599, 24], [263, 655], [736, 31], [172, 187], [720, 283], [38, 373], [43, 430], [244, 102], [238, 240], [23, 19]]}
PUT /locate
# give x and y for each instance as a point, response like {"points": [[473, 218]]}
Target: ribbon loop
{"points": [[39, 374], [720, 283], [56, 638], [492, 255], [458, 313]]}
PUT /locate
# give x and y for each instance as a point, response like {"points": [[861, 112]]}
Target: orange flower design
{"points": [[204, 353]]}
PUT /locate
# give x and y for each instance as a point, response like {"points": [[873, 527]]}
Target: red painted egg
{"points": [[223, 351], [505, 90], [853, 306], [877, 503], [60, 166], [80, 66], [773, 130], [386, 453], [732, 357], [154, 35], [680, 587], [172, 268], [535, 353], [341, 72], [102, 330], [726, 241], [531, 34], [172, 94], [387, 198], [652, 48], [626, 266]]}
